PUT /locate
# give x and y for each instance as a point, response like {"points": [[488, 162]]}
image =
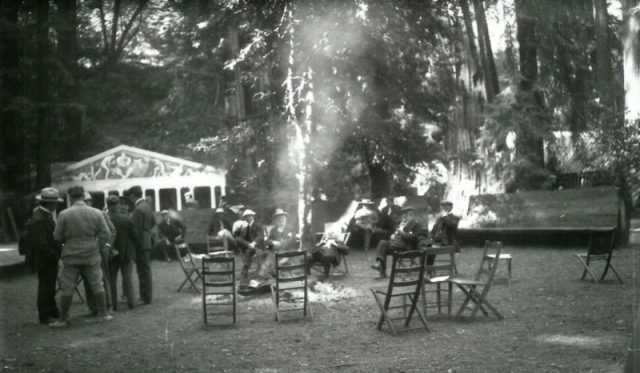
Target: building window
{"points": [[150, 196], [203, 196], [98, 199], [168, 199]]}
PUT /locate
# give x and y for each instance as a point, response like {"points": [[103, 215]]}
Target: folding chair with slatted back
{"points": [[483, 279], [219, 285], [405, 281], [437, 275], [290, 292], [601, 245], [217, 243], [189, 267], [77, 290]]}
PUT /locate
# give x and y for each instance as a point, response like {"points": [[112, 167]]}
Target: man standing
{"points": [[405, 238], [44, 253], [170, 229], [250, 240], [126, 245], [143, 221], [80, 228]]}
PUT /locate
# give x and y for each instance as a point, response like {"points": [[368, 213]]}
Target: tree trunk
{"points": [[631, 42], [604, 70], [474, 61], [526, 35], [12, 132], [72, 110], [43, 150], [492, 86]]}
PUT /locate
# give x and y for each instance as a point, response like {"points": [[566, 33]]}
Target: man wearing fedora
{"points": [[445, 230], [249, 240], [143, 222], [405, 238], [44, 253], [81, 228], [363, 224], [126, 246]]}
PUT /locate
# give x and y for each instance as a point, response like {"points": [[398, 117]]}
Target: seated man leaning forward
{"points": [[328, 253], [249, 240], [405, 238], [221, 226], [280, 238]]}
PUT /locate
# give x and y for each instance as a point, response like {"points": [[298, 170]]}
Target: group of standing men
{"points": [[91, 244]]}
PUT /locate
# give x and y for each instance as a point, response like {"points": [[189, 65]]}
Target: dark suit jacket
{"points": [[227, 219], [445, 230], [390, 217], [255, 233], [172, 229], [408, 237], [127, 242], [45, 250], [143, 221], [286, 238]]}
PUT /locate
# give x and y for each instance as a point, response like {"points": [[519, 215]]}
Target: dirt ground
{"points": [[553, 323]]}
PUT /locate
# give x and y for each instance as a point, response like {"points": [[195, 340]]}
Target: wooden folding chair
{"points": [[405, 281], [217, 243], [601, 245], [483, 279], [219, 285], [437, 275], [189, 267], [291, 280], [334, 270]]}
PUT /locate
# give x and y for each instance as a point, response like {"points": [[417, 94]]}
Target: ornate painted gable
{"points": [[126, 162]]}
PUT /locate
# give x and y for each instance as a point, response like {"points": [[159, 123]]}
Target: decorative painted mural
{"points": [[124, 165]]}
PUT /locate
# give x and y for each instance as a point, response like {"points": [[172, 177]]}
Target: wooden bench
{"points": [[562, 217]]}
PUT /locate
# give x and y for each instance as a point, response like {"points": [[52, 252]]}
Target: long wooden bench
{"points": [[562, 217]]}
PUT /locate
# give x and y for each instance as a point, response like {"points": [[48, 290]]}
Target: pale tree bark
{"points": [[295, 97]]}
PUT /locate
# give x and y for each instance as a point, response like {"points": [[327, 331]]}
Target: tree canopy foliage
{"points": [[384, 88]]}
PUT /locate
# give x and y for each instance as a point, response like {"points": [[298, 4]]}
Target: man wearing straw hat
{"points": [[44, 253], [280, 238]]}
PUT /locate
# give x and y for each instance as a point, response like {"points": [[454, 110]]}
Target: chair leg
{"points": [[615, 272], [449, 299], [275, 301], [344, 262], [438, 298]]}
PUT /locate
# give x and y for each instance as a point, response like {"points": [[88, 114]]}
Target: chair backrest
{"points": [[214, 243], [601, 241], [184, 256], [444, 261], [293, 269], [407, 270], [487, 268], [218, 271]]}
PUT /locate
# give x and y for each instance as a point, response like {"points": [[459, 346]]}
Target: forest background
{"points": [[354, 98]]}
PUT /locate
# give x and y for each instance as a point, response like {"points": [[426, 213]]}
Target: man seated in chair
{"points": [[170, 228], [405, 238], [221, 227], [363, 225], [445, 230], [328, 253], [280, 238], [249, 240]]}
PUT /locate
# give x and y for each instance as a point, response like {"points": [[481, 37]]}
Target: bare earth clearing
{"points": [[553, 323]]}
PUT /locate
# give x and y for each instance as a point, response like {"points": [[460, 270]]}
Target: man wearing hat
{"points": [[80, 228], [363, 224], [280, 238], [221, 226], [249, 240], [171, 228], [405, 238], [445, 229], [44, 253], [143, 222], [105, 254], [126, 246]]}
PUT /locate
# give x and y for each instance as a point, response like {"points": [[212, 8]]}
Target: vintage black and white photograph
{"points": [[275, 186]]}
